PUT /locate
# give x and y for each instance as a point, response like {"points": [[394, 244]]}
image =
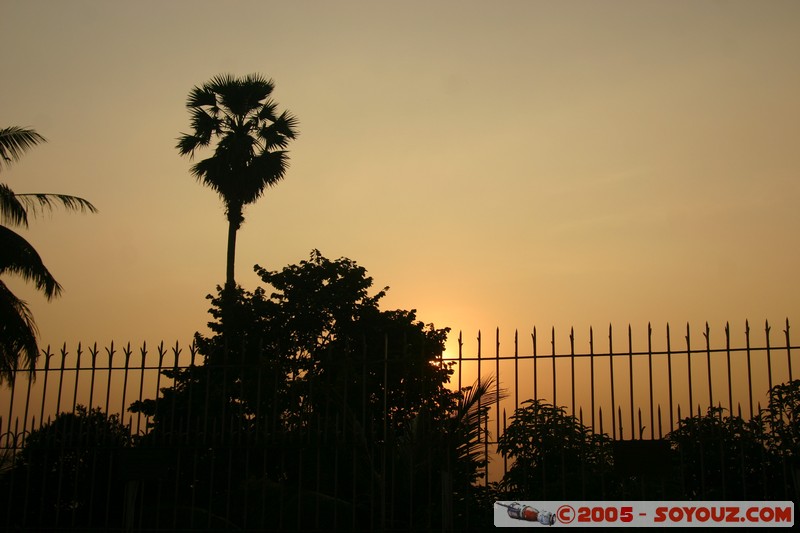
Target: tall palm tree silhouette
{"points": [[250, 136], [17, 256]]}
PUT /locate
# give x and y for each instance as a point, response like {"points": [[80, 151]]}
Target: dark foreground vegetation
{"points": [[313, 409]]}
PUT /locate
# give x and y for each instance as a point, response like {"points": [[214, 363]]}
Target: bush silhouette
{"points": [[64, 477], [554, 455], [718, 456]]}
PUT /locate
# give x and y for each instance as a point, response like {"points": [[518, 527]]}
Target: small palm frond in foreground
{"points": [[467, 423]]}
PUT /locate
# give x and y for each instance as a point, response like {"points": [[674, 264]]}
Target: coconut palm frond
{"points": [[15, 208], [18, 256], [12, 210], [15, 141], [39, 202], [18, 333]]}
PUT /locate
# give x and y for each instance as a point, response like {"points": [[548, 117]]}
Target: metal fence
{"points": [[637, 392], [629, 393], [109, 378]]}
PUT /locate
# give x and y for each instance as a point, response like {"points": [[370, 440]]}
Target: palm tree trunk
{"points": [[235, 218], [234, 213], [233, 227]]}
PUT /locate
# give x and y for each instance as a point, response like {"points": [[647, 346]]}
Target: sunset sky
{"points": [[497, 164]]}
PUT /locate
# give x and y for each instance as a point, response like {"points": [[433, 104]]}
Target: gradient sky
{"points": [[497, 164]]}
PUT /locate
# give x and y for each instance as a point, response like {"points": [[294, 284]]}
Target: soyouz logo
{"points": [[644, 514], [518, 511]]}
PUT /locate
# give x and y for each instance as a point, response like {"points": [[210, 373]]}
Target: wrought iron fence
{"points": [[108, 378], [637, 393]]}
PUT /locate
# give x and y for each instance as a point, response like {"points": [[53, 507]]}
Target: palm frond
{"points": [[15, 141], [15, 207], [288, 124], [18, 256], [12, 210], [204, 125], [242, 96], [267, 169], [201, 97], [467, 421], [267, 111], [17, 335], [210, 172], [219, 82], [187, 144], [259, 80], [39, 202], [256, 88], [483, 393], [279, 133]]}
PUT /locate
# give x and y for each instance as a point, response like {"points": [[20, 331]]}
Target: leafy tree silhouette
{"points": [[18, 330], [327, 398]]}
